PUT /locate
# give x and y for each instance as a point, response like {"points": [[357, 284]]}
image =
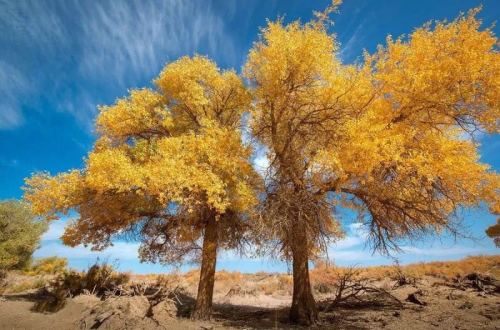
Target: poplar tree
{"points": [[389, 138], [169, 168]]}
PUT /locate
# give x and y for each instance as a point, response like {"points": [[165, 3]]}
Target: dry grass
{"points": [[26, 285], [323, 277], [445, 269], [16, 282], [326, 276]]}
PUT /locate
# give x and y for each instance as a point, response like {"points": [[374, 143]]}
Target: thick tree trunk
{"points": [[203, 308], [303, 310]]}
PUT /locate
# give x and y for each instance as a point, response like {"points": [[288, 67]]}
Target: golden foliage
{"points": [[165, 158], [389, 137]]}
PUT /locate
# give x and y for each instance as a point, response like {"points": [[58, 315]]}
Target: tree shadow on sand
{"points": [[347, 314], [42, 303], [332, 316]]}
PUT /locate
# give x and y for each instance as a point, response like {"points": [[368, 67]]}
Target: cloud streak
{"points": [[349, 49], [135, 38], [13, 87], [84, 52]]}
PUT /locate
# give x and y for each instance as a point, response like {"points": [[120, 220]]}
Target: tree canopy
{"points": [[162, 157]]}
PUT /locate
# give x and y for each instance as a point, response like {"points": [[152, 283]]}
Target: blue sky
{"points": [[60, 59]]}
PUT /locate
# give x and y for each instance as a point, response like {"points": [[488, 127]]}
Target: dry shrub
{"points": [[352, 288], [225, 281], [269, 289], [48, 266], [324, 277], [16, 282], [99, 279], [378, 272], [402, 277], [237, 290]]}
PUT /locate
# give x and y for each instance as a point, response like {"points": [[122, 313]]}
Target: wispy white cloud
{"points": [[123, 39], [441, 251], [33, 24], [55, 231], [8, 162], [36, 30], [351, 250], [82, 106], [86, 51], [357, 255], [13, 87], [347, 243], [349, 48], [352, 256]]}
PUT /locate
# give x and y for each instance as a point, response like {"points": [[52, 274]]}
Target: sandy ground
{"points": [[16, 314], [446, 308]]}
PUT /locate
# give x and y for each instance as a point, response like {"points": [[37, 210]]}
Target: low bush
{"points": [[99, 279], [48, 266], [19, 235]]}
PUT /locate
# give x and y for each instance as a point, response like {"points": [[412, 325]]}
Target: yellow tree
{"points": [[388, 138], [169, 166]]}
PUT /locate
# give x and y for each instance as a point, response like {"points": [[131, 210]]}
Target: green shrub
{"points": [[20, 234]]}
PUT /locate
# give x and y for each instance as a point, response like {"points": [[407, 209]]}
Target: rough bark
{"points": [[303, 310], [203, 307]]}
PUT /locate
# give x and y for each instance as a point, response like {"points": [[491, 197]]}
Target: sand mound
{"points": [[125, 312], [86, 300], [164, 311]]}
